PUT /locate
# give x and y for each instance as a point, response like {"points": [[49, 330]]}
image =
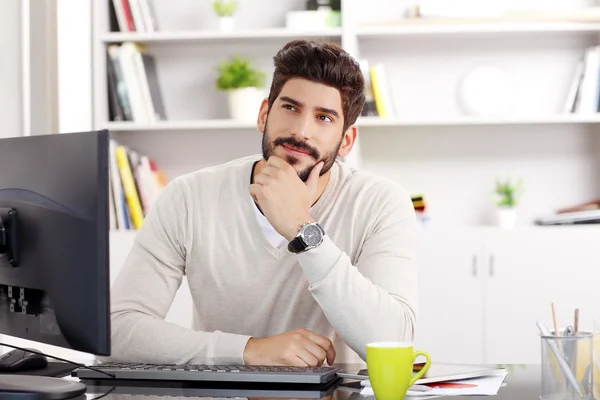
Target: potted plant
{"points": [[225, 10], [243, 85], [507, 193]]}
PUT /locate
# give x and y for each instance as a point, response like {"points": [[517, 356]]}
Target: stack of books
{"points": [[135, 184], [583, 96], [379, 101], [134, 92], [133, 16], [419, 204], [584, 213]]}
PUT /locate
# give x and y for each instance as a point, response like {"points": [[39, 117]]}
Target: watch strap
{"points": [[296, 245]]}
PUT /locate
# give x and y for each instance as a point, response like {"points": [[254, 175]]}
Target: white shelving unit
{"points": [[424, 62]]}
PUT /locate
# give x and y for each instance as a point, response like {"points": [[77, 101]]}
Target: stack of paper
{"points": [[483, 386]]}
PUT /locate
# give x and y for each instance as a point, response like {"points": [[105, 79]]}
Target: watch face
{"points": [[312, 235]]}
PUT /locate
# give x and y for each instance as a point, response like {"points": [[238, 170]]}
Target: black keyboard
{"points": [[210, 373]]}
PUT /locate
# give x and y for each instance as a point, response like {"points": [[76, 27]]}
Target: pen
{"points": [[570, 347], [560, 358]]}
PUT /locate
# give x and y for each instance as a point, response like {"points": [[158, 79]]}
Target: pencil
{"points": [[556, 333], [576, 322], [554, 319]]}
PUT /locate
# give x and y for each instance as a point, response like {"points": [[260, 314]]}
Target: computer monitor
{"points": [[54, 261]]}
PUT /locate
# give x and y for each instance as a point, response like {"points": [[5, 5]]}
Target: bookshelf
{"points": [[455, 156]]}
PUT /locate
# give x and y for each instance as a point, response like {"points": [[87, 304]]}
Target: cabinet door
{"points": [[450, 320], [528, 269]]}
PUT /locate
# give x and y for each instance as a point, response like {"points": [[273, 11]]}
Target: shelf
{"points": [[448, 28], [373, 122], [179, 125], [364, 122], [214, 35]]}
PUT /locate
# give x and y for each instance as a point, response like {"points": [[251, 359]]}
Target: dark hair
{"points": [[325, 63]]}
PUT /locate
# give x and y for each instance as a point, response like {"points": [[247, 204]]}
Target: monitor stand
{"points": [[28, 387]]}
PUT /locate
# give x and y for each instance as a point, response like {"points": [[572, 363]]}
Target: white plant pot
{"points": [[506, 217], [244, 103], [226, 24]]}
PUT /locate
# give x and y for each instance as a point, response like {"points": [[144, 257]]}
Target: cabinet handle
{"points": [[491, 265], [474, 265]]}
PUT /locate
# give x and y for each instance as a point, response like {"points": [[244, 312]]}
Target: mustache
{"points": [[292, 142]]}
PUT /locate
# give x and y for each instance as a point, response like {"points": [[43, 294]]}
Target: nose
{"points": [[301, 129]]}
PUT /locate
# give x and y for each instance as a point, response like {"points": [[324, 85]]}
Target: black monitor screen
{"points": [[54, 274]]}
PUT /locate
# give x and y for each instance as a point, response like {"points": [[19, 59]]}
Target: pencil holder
{"points": [[567, 366]]}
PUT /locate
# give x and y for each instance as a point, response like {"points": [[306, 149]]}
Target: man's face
{"points": [[304, 126]]}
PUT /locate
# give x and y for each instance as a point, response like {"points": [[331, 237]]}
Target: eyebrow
{"points": [[318, 108]]}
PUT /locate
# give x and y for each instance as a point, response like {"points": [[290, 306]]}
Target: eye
{"points": [[289, 107], [321, 117]]}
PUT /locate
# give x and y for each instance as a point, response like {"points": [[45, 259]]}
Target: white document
{"points": [[484, 386]]}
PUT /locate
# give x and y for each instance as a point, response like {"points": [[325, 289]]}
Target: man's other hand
{"points": [[299, 347]]}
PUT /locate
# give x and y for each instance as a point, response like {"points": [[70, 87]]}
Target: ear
{"points": [[348, 141], [261, 122]]}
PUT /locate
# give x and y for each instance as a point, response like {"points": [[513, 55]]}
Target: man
{"points": [[261, 293]]}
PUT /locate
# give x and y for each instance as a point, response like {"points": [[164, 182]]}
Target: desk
{"points": [[522, 383]]}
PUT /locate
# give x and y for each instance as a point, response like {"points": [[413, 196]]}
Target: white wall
{"points": [[10, 70], [74, 65]]}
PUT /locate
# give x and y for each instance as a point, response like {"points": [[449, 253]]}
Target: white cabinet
{"points": [[450, 313], [482, 290], [527, 271]]}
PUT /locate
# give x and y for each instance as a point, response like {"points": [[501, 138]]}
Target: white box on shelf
{"points": [[313, 19]]}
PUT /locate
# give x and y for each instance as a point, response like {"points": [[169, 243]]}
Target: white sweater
{"points": [[360, 285]]}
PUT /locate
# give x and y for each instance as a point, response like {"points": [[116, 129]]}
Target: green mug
{"points": [[390, 368]]}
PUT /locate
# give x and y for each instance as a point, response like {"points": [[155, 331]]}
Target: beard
{"points": [[268, 149]]}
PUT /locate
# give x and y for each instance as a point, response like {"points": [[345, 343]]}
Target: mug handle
{"points": [[423, 370]]}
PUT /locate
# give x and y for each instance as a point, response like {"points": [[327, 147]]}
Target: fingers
{"points": [[313, 178], [270, 171], [254, 190], [317, 351], [308, 358], [322, 342], [277, 162], [262, 179]]}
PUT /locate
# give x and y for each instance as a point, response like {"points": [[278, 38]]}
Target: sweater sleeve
{"points": [[144, 290], [375, 299]]}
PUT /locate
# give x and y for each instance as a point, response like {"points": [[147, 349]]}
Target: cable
{"points": [[105, 394], [56, 358]]}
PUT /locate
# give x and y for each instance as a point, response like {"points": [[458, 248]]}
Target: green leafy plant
{"points": [[237, 73], [224, 8], [508, 192]]}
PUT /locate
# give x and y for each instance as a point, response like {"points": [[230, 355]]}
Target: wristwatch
{"points": [[309, 236]]}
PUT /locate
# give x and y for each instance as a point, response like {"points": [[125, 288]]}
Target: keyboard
{"points": [[210, 373]]}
